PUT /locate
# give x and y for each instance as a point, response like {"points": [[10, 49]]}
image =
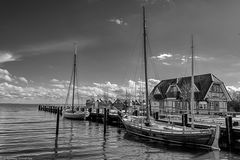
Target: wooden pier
{"points": [[96, 115]]}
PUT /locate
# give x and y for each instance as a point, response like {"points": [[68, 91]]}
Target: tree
{"points": [[233, 105]]}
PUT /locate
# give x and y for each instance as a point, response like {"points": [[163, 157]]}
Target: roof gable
{"points": [[202, 83]]}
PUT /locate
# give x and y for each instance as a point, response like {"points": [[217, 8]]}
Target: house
{"points": [[173, 95]]}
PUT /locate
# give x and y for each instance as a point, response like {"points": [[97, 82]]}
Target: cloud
{"points": [[106, 85], [23, 80], [52, 47], [233, 88], [57, 91], [59, 83], [162, 56], [165, 63], [5, 75], [176, 59], [54, 80], [7, 57], [8, 77], [118, 21], [205, 59]]}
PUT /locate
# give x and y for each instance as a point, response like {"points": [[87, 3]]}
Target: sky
{"points": [[37, 44]]}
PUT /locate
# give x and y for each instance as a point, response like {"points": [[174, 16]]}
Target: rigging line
{"points": [[77, 88], [156, 74], [69, 88], [135, 48], [139, 58]]}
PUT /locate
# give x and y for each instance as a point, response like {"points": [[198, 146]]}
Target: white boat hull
{"points": [[75, 115]]}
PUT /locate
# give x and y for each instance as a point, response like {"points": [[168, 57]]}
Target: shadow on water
{"points": [[155, 147]]}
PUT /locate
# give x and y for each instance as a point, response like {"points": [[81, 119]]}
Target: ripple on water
{"points": [[28, 133]]}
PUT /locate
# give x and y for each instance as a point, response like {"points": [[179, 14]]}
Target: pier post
{"points": [[156, 115], [57, 125], [61, 110], [184, 119], [105, 120], [228, 121]]}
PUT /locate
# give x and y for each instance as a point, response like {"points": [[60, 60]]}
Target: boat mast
{"points": [[145, 64], [192, 85], [74, 74]]}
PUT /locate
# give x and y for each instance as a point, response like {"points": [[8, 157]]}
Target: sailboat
{"points": [[147, 127], [73, 112]]}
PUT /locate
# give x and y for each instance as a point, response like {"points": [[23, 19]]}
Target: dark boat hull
{"points": [[201, 139]]}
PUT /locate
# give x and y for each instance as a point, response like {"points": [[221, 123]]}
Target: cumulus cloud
{"points": [[54, 80], [57, 92], [233, 88], [205, 59], [176, 59], [5, 75], [106, 85], [162, 56], [118, 21], [7, 57], [166, 63], [23, 80], [59, 83]]}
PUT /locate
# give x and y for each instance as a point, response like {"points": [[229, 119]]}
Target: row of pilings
{"points": [[229, 136], [51, 108], [102, 115]]}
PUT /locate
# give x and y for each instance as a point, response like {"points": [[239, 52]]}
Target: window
{"points": [[216, 88], [212, 105]]}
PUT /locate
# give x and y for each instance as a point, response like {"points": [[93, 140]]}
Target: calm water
{"points": [[26, 133]]}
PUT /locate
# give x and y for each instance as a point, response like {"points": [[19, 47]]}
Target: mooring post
{"points": [[228, 121], [105, 120], [184, 119], [57, 125], [156, 115]]}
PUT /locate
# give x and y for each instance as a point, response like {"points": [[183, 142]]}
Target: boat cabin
{"points": [[173, 95]]}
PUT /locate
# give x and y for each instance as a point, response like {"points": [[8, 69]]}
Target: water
{"points": [[26, 134]]}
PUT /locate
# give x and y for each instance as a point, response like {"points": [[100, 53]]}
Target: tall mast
{"points": [[145, 64], [192, 84], [74, 74]]}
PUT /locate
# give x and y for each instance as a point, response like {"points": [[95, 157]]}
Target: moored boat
{"points": [[149, 128], [72, 112]]}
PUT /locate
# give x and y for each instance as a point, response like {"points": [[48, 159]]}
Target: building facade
{"points": [[173, 95]]}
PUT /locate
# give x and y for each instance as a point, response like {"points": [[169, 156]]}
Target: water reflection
{"points": [[25, 132], [157, 149]]}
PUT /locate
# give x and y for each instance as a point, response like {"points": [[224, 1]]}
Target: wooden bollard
{"points": [[61, 110], [228, 121], [57, 125], [156, 115], [105, 120], [184, 119]]}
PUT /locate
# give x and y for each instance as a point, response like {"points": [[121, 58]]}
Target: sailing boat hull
{"points": [[203, 138], [75, 115]]}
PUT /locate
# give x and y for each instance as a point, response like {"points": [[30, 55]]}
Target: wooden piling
{"points": [[156, 115], [105, 120], [57, 125], [228, 121], [184, 119]]}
